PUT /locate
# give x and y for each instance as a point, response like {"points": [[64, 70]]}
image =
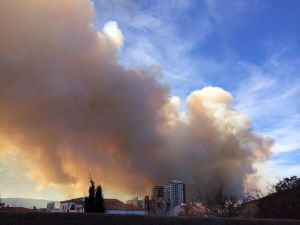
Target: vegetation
{"points": [[94, 202], [221, 203], [282, 201], [288, 183]]}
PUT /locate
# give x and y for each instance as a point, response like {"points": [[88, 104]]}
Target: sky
{"points": [[249, 48]]}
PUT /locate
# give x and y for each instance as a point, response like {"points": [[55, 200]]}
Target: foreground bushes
{"points": [[278, 205], [104, 219]]}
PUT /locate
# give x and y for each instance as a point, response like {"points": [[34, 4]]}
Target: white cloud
{"points": [[112, 30], [273, 105], [270, 172], [270, 97]]}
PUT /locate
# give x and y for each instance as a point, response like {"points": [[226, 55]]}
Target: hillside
{"points": [[25, 202]]}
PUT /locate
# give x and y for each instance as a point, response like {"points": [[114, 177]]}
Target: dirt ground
{"points": [[102, 219]]}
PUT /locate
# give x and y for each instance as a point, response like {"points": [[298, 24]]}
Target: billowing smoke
{"points": [[70, 109]]}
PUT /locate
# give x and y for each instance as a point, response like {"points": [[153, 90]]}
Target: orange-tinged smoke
{"points": [[72, 110]]}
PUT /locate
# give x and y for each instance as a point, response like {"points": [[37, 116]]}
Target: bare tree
{"points": [[220, 203], [231, 206], [220, 198], [198, 194], [253, 194]]}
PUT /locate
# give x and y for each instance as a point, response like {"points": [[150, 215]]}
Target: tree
{"points": [[89, 201], [220, 198], [253, 194], [99, 201], [197, 194], [221, 203], [94, 202], [282, 200], [288, 183], [231, 206]]}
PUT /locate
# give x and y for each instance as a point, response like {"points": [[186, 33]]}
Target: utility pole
{"points": [[0, 195]]}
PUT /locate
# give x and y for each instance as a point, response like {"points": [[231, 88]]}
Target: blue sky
{"points": [[249, 48]]}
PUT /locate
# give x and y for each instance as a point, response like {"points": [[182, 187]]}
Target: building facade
{"points": [[53, 207], [136, 202], [112, 206], [174, 193], [157, 192], [72, 205], [166, 197]]}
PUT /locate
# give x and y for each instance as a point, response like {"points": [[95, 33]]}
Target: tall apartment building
{"points": [[157, 192], [174, 193], [158, 204]]}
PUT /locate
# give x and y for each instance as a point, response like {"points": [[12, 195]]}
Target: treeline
{"points": [[95, 201], [282, 201]]}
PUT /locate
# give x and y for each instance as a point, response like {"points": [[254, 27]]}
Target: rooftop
{"points": [[75, 200], [110, 204]]}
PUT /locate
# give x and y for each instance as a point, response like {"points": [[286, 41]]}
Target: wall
{"points": [[126, 212]]}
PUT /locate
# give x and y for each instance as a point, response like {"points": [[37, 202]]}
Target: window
{"points": [[72, 207]]}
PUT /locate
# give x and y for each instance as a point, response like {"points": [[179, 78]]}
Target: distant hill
{"points": [[26, 202]]}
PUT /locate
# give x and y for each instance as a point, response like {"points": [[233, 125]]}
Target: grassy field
{"points": [[98, 219]]}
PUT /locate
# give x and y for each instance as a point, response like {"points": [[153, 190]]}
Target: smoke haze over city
{"points": [[70, 108]]}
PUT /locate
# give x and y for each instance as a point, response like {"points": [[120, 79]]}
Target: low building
{"points": [[53, 207], [136, 202], [115, 206], [112, 206], [72, 205]]}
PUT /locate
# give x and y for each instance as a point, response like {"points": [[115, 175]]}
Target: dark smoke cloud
{"points": [[69, 108]]}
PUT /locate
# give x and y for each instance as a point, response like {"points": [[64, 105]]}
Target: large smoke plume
{"points": [[70, 109]]}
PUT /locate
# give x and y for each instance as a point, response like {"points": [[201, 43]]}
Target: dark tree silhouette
{"points": [[288, 183], [221, 203], [99, 200], [281, 202], [94, 202]]}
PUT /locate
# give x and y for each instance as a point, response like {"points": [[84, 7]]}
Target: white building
{"points": [[72, 205], [112, 206]]}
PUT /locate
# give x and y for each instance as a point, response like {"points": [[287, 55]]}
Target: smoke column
{"points": [[70, 109]]}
